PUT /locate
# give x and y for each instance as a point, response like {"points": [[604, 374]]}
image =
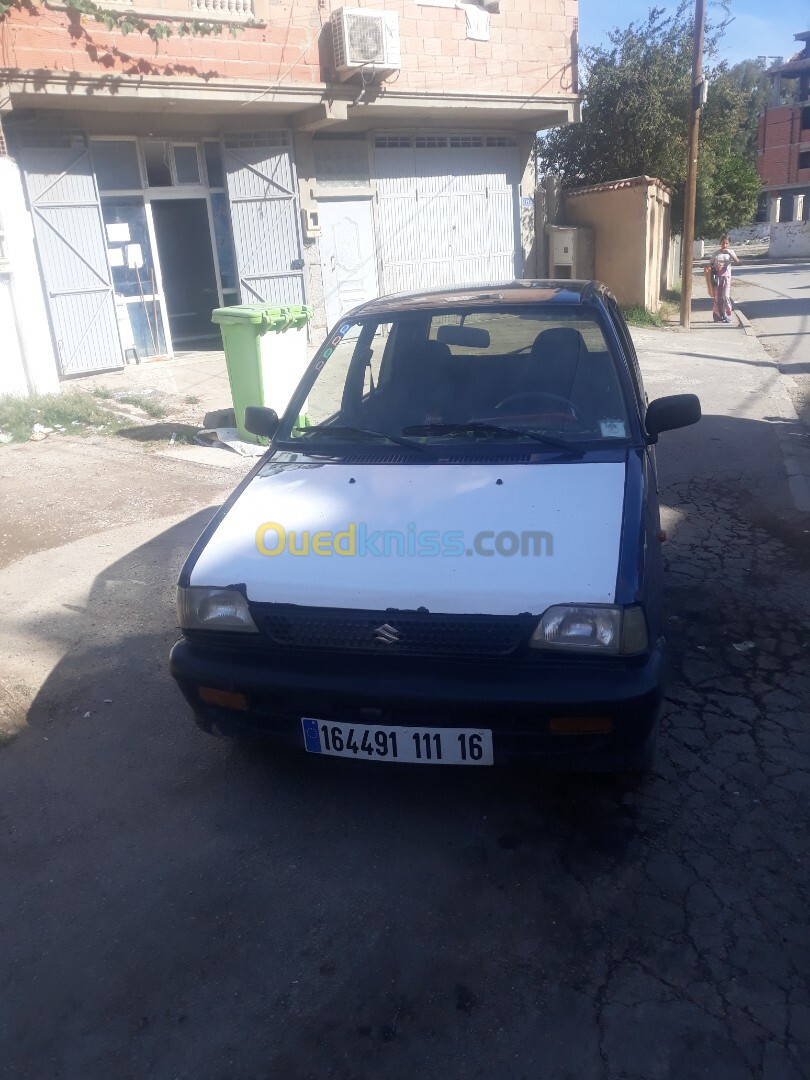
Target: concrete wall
{"points": [[27, 362], [631, 239], [530, 51], [761, 230], [618, 219], [790, 239], [12, 369]]}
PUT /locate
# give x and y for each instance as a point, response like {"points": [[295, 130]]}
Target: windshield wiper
{"points": [[364, 433], [479, 427]]}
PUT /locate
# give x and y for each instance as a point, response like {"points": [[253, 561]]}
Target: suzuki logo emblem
{"points": [[387, 634]]}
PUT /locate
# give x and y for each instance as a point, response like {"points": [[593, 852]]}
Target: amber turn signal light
{"points": [[580, 725], [230, 699]]}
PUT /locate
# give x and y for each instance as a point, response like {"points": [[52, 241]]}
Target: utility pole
{"points": [[695, 101]]}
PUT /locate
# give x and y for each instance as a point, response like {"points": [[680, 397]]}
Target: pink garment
{"points": [[722, 291]]}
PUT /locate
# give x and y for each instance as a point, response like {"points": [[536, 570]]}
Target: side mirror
{"points": [[675, 411], [261, 421]]}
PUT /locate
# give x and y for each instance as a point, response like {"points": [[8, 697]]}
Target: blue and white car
{"points": [[450, 553]]}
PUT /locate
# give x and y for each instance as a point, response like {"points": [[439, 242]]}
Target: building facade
{"points": [[783, 160], [307, 153]]}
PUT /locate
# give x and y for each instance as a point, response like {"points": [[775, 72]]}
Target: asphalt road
{"points": [[776, 298], [171, 907]]}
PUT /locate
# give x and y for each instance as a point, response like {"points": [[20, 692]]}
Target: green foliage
{"points": [[637, 91], [147, 404], [130, 23], [754, 89], [728, 189], [73, 412], [640, 316]]}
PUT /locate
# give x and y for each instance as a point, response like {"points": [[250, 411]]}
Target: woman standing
{"points": [[721, 278]]}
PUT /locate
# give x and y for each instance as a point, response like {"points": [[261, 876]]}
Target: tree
{"points": [[754, 87], [634, 121]]}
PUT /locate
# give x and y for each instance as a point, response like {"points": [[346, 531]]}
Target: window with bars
{"points": [[393, 142], [244, 140], [341, 162], [47, 139], [440, 142]]}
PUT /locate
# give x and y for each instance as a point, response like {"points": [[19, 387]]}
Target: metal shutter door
{"points": [[265, 219], [448, 209], [73, 255]]}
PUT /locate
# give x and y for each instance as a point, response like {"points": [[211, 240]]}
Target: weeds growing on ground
{"points": [[71, 411], [141, 401], [639, 316], [192, 399], [674, 294]]}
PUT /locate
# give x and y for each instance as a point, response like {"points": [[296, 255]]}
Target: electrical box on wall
{"points": [[310, 223], [366, 42], [570, 251]]}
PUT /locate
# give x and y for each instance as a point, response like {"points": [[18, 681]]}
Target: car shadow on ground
{"points": [[161, 432], [191, 909]]}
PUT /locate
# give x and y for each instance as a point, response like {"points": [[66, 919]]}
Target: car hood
{"points": [[475, 514]]}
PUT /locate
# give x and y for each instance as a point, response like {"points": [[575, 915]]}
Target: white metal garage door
{"points": [[72, 250], [448, 209], [265, 217]]}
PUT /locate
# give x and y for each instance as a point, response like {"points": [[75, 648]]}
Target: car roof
{"points": [[515, 292]]}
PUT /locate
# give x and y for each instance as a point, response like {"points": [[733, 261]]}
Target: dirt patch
{"points": [[65, 488], [15, 699]]}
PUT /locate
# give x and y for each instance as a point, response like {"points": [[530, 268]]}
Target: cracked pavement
{"points": [[172, 907]]}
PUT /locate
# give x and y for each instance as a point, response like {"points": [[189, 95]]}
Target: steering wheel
{"points": [[532, 398]]}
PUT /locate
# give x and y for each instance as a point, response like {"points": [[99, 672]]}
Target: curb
{"points": [[745, 323]]}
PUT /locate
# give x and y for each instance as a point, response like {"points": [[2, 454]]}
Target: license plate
{"points": [[418, 745]]}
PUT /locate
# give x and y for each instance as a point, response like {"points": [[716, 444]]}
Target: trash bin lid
{"points": [[276, 317]]}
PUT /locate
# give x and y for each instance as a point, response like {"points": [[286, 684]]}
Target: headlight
{"points": [[587, 628], [213, 609]]}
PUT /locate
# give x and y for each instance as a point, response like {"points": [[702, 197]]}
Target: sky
{"points": [[759, 27]]}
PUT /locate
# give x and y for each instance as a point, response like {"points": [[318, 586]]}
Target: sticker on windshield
{"points": [[613, 429]]}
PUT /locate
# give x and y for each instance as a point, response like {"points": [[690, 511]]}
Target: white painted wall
{"points": [[27, 362], [12, 371], [790, 238], [760, 230]]}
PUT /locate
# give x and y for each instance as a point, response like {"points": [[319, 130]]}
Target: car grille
{"points": [[392, 632]]}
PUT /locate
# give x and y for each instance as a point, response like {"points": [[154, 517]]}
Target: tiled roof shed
{"points": [[617, 185]]}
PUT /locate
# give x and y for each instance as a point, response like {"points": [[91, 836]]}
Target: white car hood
{"points": [[579, 504]]}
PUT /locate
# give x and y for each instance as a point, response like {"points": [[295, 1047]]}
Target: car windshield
{"points": [[533, 374]]}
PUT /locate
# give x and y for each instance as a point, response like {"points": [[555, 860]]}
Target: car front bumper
{"points": [[515, 698]]}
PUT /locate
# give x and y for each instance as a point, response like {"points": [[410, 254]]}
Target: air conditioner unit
{"points": [[366, 41]]}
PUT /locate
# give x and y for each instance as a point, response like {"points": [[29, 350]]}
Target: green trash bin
{"points": [[266, 352]]}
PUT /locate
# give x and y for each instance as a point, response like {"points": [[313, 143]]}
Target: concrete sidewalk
{"points": [[201, 375], [743, 394]]}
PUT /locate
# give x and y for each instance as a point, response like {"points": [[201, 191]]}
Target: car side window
{"points": [[629, 348]]}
